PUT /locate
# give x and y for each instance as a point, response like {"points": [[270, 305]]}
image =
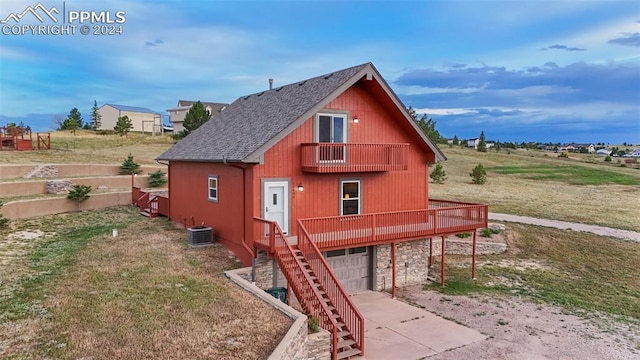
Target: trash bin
{"points": [[278, 293]]}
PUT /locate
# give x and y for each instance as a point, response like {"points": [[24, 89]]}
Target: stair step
{"points": [[145, 212], [345, 343], [348, 353], [340, 324], [335, 316], [343, 333]]}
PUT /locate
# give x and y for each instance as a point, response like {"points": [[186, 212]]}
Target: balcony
{"points": [[441, 218], [346, 157]]}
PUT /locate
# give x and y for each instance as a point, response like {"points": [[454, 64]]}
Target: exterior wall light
{"points": [[355, 120], [300, 187]]}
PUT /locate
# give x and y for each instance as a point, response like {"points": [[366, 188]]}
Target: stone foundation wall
{"points": [[317, 348], [464, 247], [411, 264]]}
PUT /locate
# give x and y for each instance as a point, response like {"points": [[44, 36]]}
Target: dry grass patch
{"points": [[583, 273], [142, 294], [90, 147]]}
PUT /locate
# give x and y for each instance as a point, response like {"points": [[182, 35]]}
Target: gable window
{"points": [[213, 188], [331, 128], [350, 197]]}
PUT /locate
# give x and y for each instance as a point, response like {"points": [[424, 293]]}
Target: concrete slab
{"points": [[396, 330]]}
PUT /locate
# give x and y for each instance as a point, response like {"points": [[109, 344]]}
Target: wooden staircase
{"points": [[316, 288], [345, 342]]}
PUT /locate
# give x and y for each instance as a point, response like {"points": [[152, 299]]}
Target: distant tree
{"points": [[58, 120], [123, 126], [438, 175], [478, 175], [96, 118], [73, 121], [412, 113], [129, 166], [195, 117], [456, 141], [497, 146], [429, 128], [482, 144], [607, 159]]}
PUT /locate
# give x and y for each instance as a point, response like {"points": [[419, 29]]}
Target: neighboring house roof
{"points": [[252, 124], [186, 105], [131, 108]]}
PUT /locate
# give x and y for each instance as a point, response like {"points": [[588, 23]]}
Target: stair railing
{"points": [[301, 283], [352, 318]]}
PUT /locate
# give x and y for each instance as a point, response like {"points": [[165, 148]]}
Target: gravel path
{"points": [[595, 229]]}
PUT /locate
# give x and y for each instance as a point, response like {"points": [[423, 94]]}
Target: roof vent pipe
{"points": [[270, 84]]}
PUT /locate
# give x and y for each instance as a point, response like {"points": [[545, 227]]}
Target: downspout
{"points": [[244, 199]]}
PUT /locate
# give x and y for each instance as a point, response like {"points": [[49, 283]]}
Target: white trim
{"points": [[209, 188], [265, 187]]}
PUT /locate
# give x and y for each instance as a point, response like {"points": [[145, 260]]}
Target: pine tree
{"points": [[157, 178], [129, 166], [456, 141], [429, 127], [482, 144], [123, 126], [438, 175], [95, 116], [478, 175], [195, 117], [79, 193], [73, 121], [3, 220]]}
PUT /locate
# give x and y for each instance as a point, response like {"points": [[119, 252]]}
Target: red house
{"points": [[327, 176]]}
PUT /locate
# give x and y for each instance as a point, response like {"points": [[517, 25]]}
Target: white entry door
{"points": [[275, 202]]}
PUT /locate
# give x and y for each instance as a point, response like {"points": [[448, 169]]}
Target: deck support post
{"points": [[473, 256], [430, 253], [393, 270], [442, 249], [288, 294]]}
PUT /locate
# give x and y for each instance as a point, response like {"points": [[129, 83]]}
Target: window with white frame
{"points": [[213, 188], [331, 129], [350, 197]]}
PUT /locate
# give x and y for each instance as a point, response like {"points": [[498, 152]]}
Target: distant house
{"points": [[473, 143], [635, 153], [573, 147], [603, 152], [177, 114], [142, 119]]}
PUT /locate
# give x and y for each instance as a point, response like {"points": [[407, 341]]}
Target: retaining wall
{"points": [[297, 344], [25, 188], [70, 170], [39, 207]]}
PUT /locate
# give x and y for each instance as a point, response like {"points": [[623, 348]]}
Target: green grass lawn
{"points": [[570, 174]]}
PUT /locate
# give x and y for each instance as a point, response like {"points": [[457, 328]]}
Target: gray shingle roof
{"points": [[251, 121], [251, 124]]}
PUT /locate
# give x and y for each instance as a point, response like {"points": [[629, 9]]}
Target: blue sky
{"points": [[557, 71]]}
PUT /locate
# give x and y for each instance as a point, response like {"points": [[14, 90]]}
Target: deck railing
{"points": [[378, 228], [347, 157], [155, 204], [298, 279], [352, 318]]}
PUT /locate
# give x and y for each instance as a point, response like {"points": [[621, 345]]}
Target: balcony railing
{"points": [[379, 228], [347, 157]]}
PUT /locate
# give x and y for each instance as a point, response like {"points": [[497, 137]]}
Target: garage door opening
{"points": [[352, 267]]}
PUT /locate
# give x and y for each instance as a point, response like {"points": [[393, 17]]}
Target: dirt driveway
{"points": [[520, 330]]}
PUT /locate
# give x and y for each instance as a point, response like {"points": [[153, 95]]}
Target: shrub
{"points": [[608, 158], [563, 155], [3, 220], [157, 178], [129, 166], [438, 175], [313, 325], [487, 232], [79, 193], [463, 235], [478, 175]]}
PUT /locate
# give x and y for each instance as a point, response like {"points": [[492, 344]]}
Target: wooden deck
{"points": [[383, 228]]}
